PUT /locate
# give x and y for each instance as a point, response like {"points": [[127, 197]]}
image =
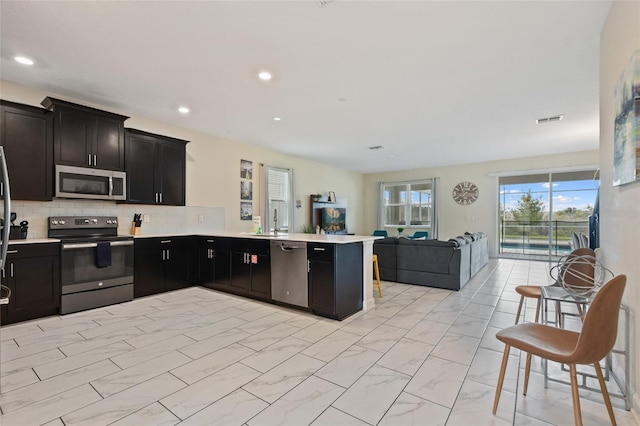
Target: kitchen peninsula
{"points": [[331, 275]]}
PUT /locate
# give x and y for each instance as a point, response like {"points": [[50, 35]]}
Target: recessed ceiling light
{"points": [[184, 110], [277, 118], [265, 75], [23, 60]]}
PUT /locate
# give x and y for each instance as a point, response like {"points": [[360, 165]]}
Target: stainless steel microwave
{"points": [[94, 184]]}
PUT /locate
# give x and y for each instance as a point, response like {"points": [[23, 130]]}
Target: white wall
{"points": [[213, 172], [620, 206], [481, 215]]}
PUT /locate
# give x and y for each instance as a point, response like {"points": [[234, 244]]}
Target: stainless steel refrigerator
{"points": [[5, 193]]}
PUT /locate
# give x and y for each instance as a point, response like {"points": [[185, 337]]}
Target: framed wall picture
{"points": [[246, 211], [626, 140], [246, 190], [246, 169], [332, 197]]}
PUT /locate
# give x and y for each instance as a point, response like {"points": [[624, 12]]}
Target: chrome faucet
{"points": [[275, 222]]}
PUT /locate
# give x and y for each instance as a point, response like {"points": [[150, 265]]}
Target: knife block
{"points": [[135, 230]]}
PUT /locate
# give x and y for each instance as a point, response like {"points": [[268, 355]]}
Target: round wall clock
{"points": [[465, 193]]}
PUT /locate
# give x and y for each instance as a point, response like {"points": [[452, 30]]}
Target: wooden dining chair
{"points": [[589, 346]]}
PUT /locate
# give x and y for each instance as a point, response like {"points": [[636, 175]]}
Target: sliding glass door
{"points": [[538, 212]]}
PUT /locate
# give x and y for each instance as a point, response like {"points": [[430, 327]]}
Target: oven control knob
{"points": [[114, 221], [54, 222], [94, 221], [62, 222]]}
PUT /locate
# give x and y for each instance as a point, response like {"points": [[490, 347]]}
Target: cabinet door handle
{"points": [[163, 254], [156, 197], [318, 249], [168, 251], [211, 241], [12, 251], [308, 265], [89, 159], [165, 241], [11, 269], [161, 197], [95, 160]]}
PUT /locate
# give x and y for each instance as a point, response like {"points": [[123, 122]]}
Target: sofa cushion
{"points": [[425, 243], [427, 256], [387, 240]]}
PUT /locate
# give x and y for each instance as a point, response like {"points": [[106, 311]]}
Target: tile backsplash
{"points": [[162, 219]]}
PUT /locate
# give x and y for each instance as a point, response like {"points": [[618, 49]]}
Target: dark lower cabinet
{"points": [[215, 262], [32, 273], [335, 279], [250, 268], [26, 133], [164, 264]]}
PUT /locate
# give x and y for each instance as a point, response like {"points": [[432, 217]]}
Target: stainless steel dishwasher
{"points": [[289, 272]]}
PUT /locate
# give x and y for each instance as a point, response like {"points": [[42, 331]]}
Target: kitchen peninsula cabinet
{"points": [[155, 167], [335, 279], [250, 268], [164, 264], [86, 137], [26, 133], [215, 262], [32, 273]]}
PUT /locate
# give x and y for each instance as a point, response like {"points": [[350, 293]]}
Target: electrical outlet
{"points": [[146, 218], [201, 218]]}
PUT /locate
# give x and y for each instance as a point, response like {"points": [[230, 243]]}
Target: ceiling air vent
{"points": [[549, 119], [373, 148]]}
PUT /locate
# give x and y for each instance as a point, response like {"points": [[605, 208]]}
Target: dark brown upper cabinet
{"points": [[155, 167], [26, 133], [86, 137]]}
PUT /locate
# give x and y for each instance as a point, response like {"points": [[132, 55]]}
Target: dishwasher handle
{"points": [[284, 247]]}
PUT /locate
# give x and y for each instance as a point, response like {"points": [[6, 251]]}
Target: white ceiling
{"points": [[434, 82]]}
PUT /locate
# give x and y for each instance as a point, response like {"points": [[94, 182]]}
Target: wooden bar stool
{"points": [[377, 271]]}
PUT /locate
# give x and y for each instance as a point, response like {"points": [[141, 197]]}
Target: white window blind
{"points": [[409, 204]]}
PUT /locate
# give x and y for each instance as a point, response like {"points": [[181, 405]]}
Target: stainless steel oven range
{"points": [[96, 265]]}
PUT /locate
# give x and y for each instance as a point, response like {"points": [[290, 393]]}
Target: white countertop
{"points": [[309, 238], [34, 241]]}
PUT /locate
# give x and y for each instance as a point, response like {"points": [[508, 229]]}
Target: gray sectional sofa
{"points": [[443, 264]]}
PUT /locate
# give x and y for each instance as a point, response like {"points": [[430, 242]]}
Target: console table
{"points": [[559, 295]]}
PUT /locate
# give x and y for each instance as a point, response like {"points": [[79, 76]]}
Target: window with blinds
{"points": [[408, 204]]}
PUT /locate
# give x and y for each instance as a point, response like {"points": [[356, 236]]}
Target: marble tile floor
{"points": [[422, 356]]}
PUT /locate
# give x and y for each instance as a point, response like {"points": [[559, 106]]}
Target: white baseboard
{"points": [[635, 403]]}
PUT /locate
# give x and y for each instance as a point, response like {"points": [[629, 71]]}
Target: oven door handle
{"points": [[92, 245]]}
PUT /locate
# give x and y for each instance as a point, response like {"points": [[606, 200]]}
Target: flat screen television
{"points": [[334, 219]]}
